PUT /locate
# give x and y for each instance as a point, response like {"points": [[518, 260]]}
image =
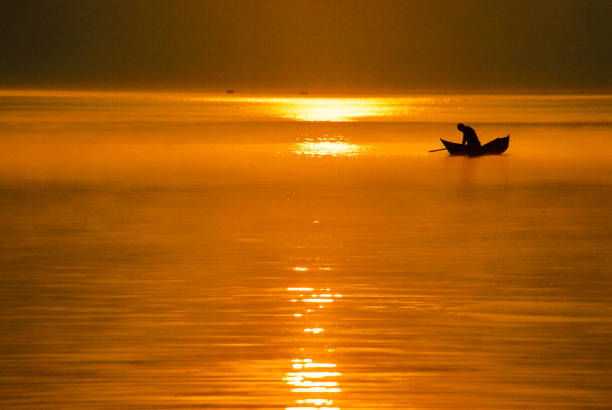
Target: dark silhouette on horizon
{"points": [[469, 137], [470, 145]]}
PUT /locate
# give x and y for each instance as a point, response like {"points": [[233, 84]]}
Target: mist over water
{"points": [[185, 251]]}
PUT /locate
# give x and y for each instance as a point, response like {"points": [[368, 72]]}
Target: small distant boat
{"points": [[495, 147]]}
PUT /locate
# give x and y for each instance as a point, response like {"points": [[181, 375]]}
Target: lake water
{"points": [[170, 251]]}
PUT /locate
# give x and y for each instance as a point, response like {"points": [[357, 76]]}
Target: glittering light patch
{"points": [[328, 147]]}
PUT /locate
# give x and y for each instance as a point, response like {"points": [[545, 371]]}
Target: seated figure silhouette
{"points": [[469, 137]]}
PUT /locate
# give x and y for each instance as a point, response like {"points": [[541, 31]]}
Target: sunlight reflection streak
{"points": [[305, 381], [328, 147]]}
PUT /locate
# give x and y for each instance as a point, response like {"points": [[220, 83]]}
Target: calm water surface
{"points": [[183, 251]]}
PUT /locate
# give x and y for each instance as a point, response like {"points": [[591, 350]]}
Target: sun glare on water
{"points": [[328, 109], [314, 384], [328, 147], [315, 109]]}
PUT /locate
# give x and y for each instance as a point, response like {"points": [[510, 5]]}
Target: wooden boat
{"points": [[495, 147]]}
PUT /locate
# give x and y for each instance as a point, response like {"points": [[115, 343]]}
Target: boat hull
{"points": [[495, 147]]}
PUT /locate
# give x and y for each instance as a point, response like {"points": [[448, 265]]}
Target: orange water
{"points": [[180, 251]]}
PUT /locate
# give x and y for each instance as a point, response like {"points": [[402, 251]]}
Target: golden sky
{"points": [[321, 46]]}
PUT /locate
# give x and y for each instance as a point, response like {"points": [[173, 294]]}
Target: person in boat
{"points": [[469, 137]]}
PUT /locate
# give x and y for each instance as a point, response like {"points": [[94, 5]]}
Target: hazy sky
{"points": [[316, 45]]}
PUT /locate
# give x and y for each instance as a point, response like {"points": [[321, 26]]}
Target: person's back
{"points": [[469, 136]]}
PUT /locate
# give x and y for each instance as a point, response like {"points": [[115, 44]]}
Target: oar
{"points": [[434, 150]]}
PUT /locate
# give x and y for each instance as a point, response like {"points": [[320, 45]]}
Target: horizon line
{"points": [[235, 94]]}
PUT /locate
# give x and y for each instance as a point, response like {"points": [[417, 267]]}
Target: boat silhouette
{"points": [[495, 147]]}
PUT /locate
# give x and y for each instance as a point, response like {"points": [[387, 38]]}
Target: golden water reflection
{"points": [[329, 109], [313, 377], [322, 109], [328, 146]]}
